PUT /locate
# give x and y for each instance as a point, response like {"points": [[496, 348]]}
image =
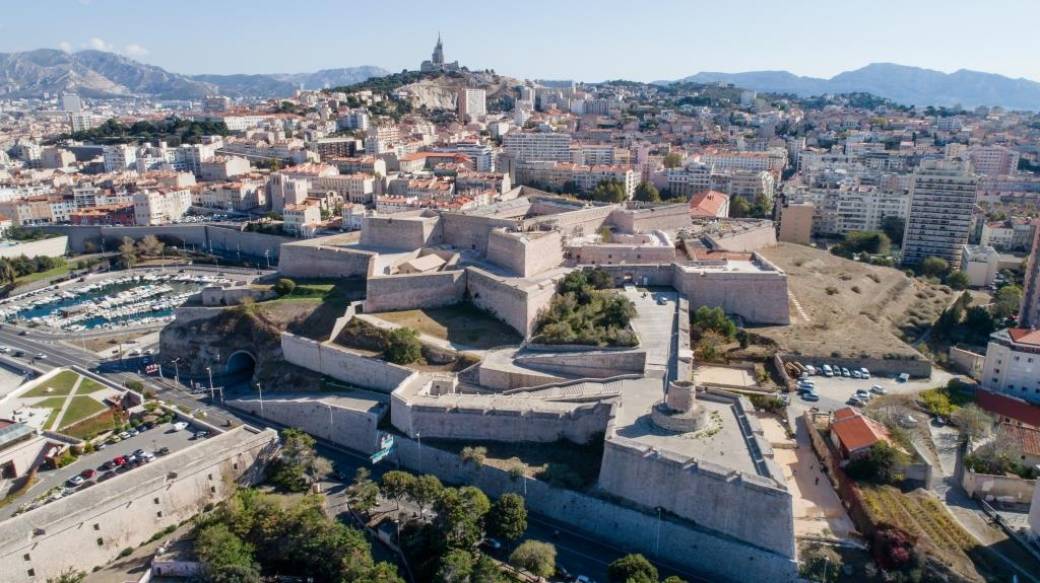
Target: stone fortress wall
{"points": [[93, 526], [710, 495], [703, 551], [401, 232], [508, 300], [759, 297], [342, 421], [650, 218], [342, 364], [311, 258], [415, 410], [412, 291], [219, 238], [525, 254]]}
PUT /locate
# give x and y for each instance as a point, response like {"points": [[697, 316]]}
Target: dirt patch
{"points": [[463, 324], [847, 308]]}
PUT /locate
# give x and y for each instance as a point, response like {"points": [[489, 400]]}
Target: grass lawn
{"points": [[60, 385], [80, 408], [89, 386], [50, 273], [92, 426], [54, 404], [461, 323]]}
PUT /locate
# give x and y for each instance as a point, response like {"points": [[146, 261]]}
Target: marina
{"points": [[117, 301]]}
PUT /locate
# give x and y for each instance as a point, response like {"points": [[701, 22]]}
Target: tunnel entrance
{"points": [[240, 364]]}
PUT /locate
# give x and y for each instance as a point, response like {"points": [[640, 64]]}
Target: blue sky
{"points": [[584, 40]]}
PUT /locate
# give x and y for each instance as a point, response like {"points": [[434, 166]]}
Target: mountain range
{"points": [[100, 74], [900, 83]]}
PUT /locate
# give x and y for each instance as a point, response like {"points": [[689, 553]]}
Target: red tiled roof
{"points": [[1025, 336], [1009, 407], [856, 432], [1027, 437], [707, 203]]}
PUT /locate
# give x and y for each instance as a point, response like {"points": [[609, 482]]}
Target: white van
{"points": [[865, 373], [810, 369], [827, 372]]}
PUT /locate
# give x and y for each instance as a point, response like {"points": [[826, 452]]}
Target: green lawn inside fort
{"points": [[461, 323]]}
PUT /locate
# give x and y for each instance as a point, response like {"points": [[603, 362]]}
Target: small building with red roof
{"points": [[709, 203], [853, 434]]}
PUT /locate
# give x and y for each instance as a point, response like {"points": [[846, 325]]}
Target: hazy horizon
{"points": [[666, 39]]}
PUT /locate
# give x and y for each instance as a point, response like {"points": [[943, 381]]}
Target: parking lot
{"points": [[835, 391], [151, 440]]}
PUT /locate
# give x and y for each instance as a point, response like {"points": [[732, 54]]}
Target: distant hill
{"points": [[99, 74], [900, 83]]}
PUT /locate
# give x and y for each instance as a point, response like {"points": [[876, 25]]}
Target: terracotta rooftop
{"points": [[707, 203], [1009, 407], [1025, 336], [855, 431]]}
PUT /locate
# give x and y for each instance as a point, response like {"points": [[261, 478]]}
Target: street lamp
{"points": [[261, 391], [657, 543], [210, 371], [418, 437]]}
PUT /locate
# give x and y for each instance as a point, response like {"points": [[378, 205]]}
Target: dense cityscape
{"points": [[447, 325]]}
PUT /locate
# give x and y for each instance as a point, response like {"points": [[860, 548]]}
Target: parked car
{"points": [[119, 461], [134, 433], [907, 420], [5, 349], [87, 474], [862, 395], [75, 481], [115, 439], [810, 369], [903, 377], [878, 389], [845, 372], [41, 356], [856, 374], [827, 371], [178, 426], [855, 402], [163, 451], [124, 435], [865, 373], [810, 396]]}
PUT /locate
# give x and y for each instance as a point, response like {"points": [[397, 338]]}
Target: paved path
{"points": [[65, 404]]}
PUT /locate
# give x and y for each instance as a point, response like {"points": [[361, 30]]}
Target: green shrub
{"points": [[403, 346], [284, 286]]}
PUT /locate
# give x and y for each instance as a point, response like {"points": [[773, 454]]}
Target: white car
{"points": [[180, 425], [878, 389], [5, 349]]}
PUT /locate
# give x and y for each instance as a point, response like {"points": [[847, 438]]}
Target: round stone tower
{"points": [[679, 411]]}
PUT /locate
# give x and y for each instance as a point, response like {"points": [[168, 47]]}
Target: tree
{"points": [[151, 246], [706, 319], [460, 516], [364, 492], [473, 455], [225, 557], [609, 191], [403, 346], [69, 576], [629, 567], [709, 346], [508, 517], [127, 252], [739, 207], [672, 160], [381, 573], [284, 286], [957, 280], [879, 464], [762, 208], [598, 278], [537, 557], [647, 192], [396, 484], [894, 226], [972, 422], [486, 570], [1007, 301], [298, 465], [424, 491], [7, 273], [456, 566], [934, 267]]}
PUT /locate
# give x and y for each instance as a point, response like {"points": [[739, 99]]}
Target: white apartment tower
{"points": [[472, 104], [942, 197]]}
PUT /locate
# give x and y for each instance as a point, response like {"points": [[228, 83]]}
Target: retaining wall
{"points": [[52, 247], [353, 428], [993, 488], [411, 291], [920, 368], [308, 259], [586, 364], [342, 364]]}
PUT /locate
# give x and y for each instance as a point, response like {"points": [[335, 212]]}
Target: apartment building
{"points": [[120, 157], [796, 223], [942, 197], [223, 168], [356, 188], [157, 207], [537, 146], [561, 176], [772, 160], [1012, 364], [994, 160], [1009, 235], [1029, 316], [472, 103], [237, 196], [297, 217]]}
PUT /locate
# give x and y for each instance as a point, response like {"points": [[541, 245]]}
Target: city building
{"points": [[158, 207], [1012, 364], [980, 263], [709, 204], [1029, 316], [472, 103], [796, 223], [537, 146], [942, 199]]}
